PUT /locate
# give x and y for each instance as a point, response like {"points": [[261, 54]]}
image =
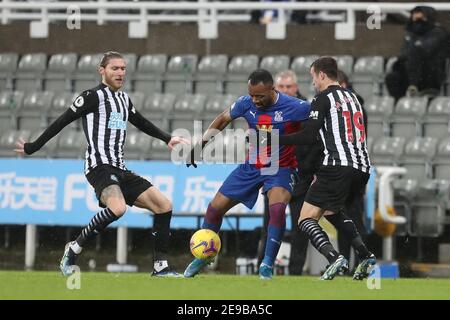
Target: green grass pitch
{"points": [[51, 285]]}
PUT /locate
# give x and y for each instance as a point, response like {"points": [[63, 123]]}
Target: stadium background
{"points": [[180, 39]]}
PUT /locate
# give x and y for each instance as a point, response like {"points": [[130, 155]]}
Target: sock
{"points": [[98, 223], [76, 247], [319, 239], [213, 219], [346, 227], [160, 265], [275, 232], [161, 232]]}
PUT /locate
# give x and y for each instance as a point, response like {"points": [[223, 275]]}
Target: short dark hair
{"points": [[261, 76], [327, 65], [108, 56], [342, 77]]}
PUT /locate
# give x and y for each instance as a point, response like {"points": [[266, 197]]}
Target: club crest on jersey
{"points": [[264, 127], [338, 105], [79, 102], [278, 116]]}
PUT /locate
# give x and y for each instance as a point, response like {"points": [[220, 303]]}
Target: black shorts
{"points": [[334, 187], [105, 175]]}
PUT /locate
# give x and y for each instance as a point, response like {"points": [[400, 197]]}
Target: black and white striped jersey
{"points": [[105, 114], [338, 117], [343, 131]]}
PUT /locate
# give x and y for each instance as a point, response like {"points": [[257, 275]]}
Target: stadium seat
{"points": [[149, 73], [216, 104], [407, 190], [441, 161], [158, 105], [367, 75], [34, 113], [71, 144], [30, 72], [275, 64], [387, 150], [180, 74], [428, 210], [437, 119], [369, 142], [61, 102], [130, 60], [419, 151], [58, 76], [137, 146], [137, 98], [8, 66], [379, 110], [345, 63], [239, 69], [210, 74], [8, 141], [301, 65], [388, 68], [87, 76], [188, 107], [433, 197], [10, 104], [407, 118]]}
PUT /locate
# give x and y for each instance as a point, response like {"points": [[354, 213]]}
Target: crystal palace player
{"points": [[105, 111], [265, 110], [338, 116]]}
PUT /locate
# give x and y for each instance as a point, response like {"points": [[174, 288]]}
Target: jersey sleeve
{"points": [[303, 110], [131, 107], [82, 105], [147, 126], [85, 103], [308, 135], [237, 109]]}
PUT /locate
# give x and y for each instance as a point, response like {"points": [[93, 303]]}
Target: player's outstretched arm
{"points": [[148, 127], [29, 148], [218, 124], [310, 130]]}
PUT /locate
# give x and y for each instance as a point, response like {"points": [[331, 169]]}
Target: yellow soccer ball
{"points": [[205, 244]]}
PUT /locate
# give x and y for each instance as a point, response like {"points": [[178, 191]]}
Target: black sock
{"points": [[319, 239], [161, 232], [346, 227], [98, 223]]}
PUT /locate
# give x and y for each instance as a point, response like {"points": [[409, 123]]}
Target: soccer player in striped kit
{"points": [[105, 111], [338, 117]]}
